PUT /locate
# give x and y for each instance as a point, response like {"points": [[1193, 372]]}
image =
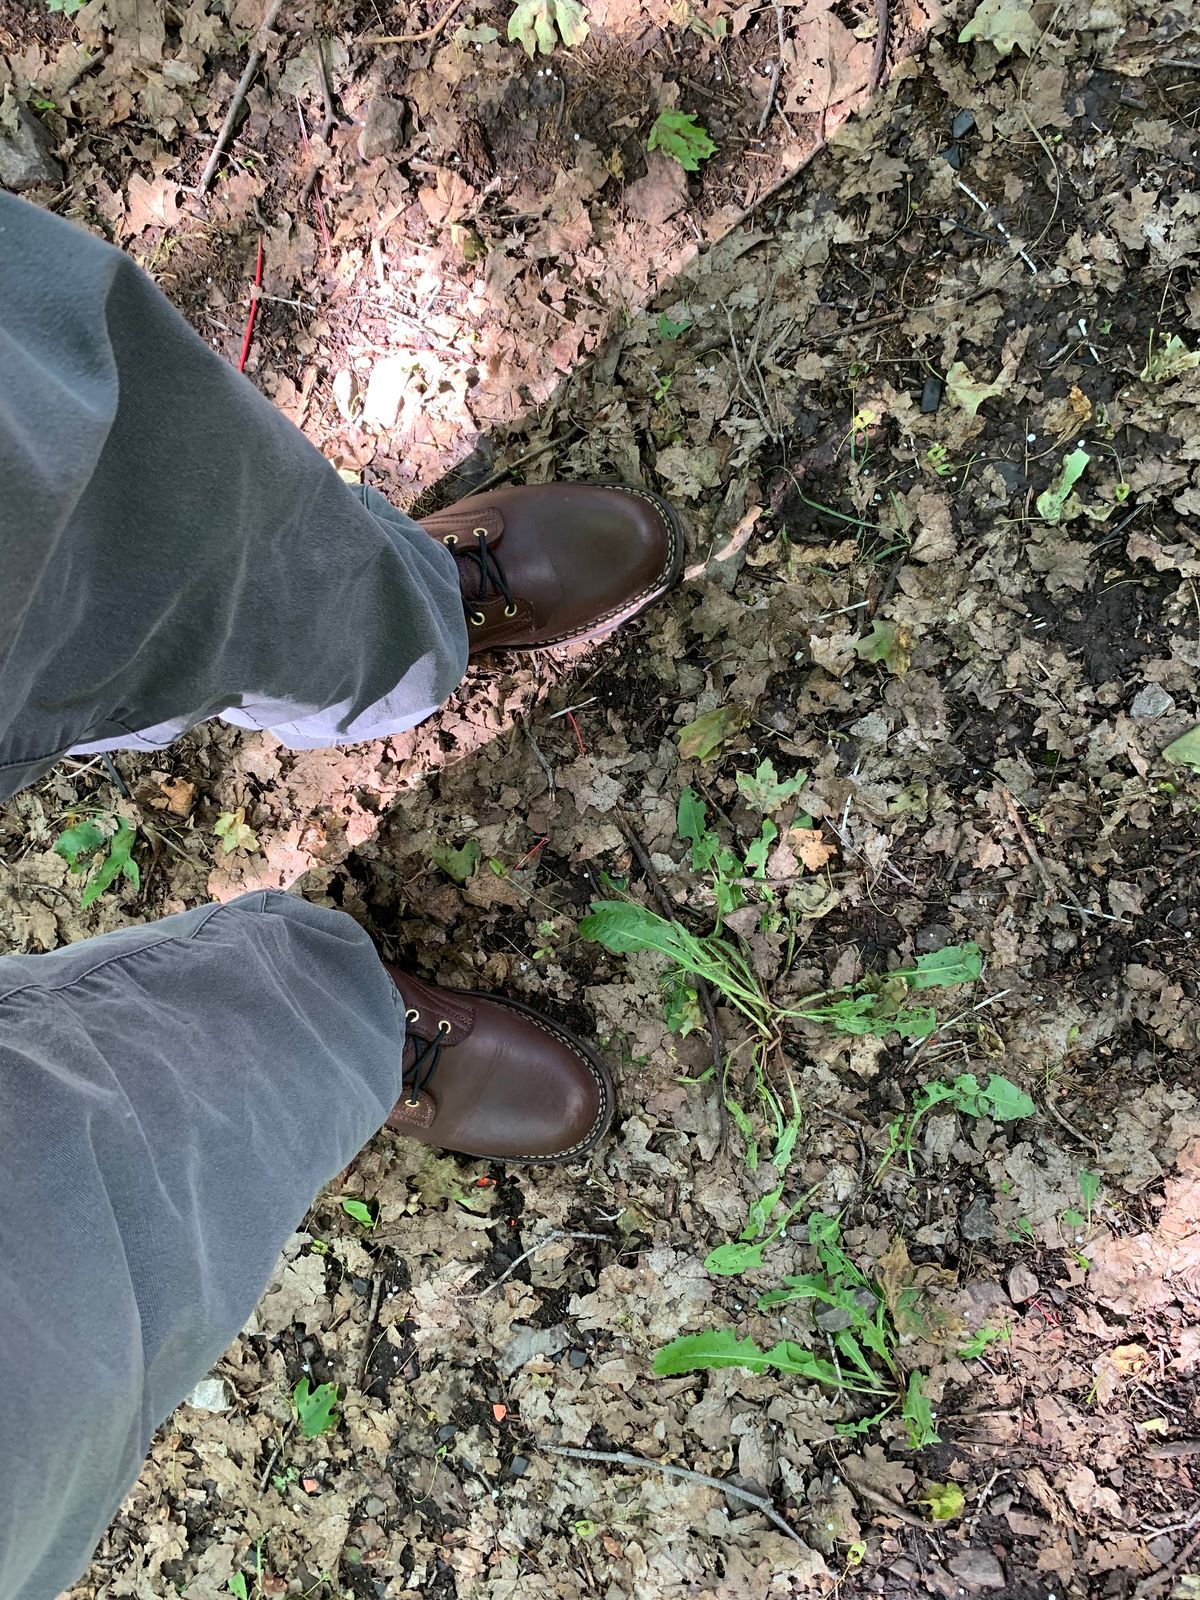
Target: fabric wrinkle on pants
{"points": [[173, 548], [171, 1097]]}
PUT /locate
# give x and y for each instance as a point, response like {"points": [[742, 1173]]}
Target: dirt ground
{"points": [[862, 396]]}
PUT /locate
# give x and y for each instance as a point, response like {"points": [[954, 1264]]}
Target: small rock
{"points": [[978, 1568], [578, 1358], [963, 124], [952, 156], [1152, 701], [27, 155], [385, 392], [383, 130], [1022, 1285], [519, 1466], [976, 1223], [447, 1431], [1179, 917], [210, 1394], [934, 937], [931, 394]]}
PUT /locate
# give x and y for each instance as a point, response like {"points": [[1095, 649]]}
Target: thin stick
{"points": [[368, 1332], [622, 1458], [327, 126], [881, 42], [287, 1433], [1089, 1144], [537, 750], [704, 993], [997, 224], [320, 201], [412, 38], [776, 69], [249, 333], [1031, 850], [239, 94], [555, 1233], [530, 455]]}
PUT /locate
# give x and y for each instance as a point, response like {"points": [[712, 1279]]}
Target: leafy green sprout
{"points": [[671, 330], [999, 1098], [100, 846], [862, 1339], [237, 1584], [316, 1409], [359, 1212], [678, 135], [1089, 1190]]}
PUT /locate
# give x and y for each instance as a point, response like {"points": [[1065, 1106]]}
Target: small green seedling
{"points": [[101, 847], [539, 24], [458, 864], [234, 832], [671, 330], [679, 135], [316, 1409], [67, 7], [999, 1099], [862, 1336], [359, 1212], [977, 1342]]}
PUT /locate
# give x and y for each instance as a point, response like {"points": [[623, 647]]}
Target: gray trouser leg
{"points": [[171, 547], [171, 1098]]}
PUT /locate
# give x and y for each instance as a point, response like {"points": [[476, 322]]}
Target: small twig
{"points": [[412, 38], [287, 1433], [239, 95], [1088, 1144], [502, 473], [555, 1233], [776, 69], [703, 992], [997, 224], [119, 782], [369, 1331], [318, 196], [327, 126], [888, 1507], [622, 1458], [537, 750], [1031, 850], [881, 42], [249, 333]]}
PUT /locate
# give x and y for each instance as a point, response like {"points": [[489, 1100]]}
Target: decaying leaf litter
{"points": [[871, 400]]}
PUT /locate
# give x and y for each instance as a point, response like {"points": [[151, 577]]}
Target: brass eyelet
{"points": [[510, 611], [477, 619], [412, 1015], [443, 1026], [450, 538], [413, 1102], [479, 533]]}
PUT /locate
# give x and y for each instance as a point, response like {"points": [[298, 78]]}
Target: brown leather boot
{"points": [[558, 562], [488, 1077]]}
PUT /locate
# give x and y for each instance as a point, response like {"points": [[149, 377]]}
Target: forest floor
{"points": [[863, 395]]}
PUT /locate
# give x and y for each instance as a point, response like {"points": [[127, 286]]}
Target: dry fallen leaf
{"points": [[809, 847]]}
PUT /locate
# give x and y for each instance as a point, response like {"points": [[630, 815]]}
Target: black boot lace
{"points": [[492, 579], [418, 1074]]}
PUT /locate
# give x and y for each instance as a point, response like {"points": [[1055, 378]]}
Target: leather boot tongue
{"points": [[464, 525]]}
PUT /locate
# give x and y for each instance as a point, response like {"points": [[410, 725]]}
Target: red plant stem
{"points": [[249, 334], [578, 735]]}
